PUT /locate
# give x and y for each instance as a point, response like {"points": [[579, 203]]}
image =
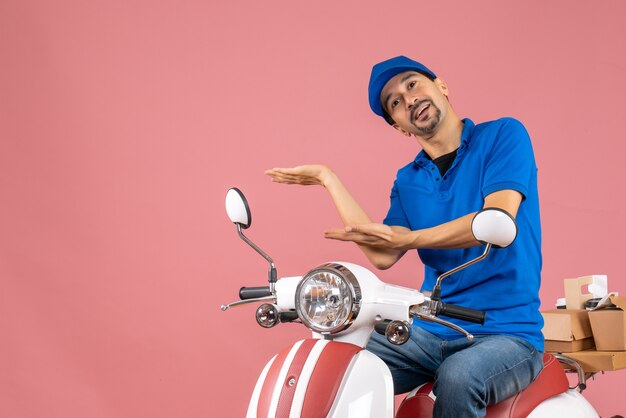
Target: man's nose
{"points": [[410, 101]]}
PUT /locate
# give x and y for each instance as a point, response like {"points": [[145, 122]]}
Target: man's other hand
{"points": [[374, 235]]}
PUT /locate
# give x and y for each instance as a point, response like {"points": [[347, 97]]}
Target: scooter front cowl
{"points": [[319, 378]]}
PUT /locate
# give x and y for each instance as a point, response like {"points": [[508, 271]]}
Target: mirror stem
{"points": [[271, 274], [436, 295]]}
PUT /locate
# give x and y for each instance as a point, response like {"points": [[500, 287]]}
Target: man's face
{"points": [[415, 103]]}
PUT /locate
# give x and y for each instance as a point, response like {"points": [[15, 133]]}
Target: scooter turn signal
{"points": [[398, 332], [267, 315]]}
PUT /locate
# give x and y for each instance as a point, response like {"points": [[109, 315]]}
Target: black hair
{"points": [[386, 116]]}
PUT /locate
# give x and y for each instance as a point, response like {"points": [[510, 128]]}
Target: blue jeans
{"points": [[468, 375]]}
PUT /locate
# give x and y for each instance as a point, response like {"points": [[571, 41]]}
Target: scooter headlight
{"points": [[328, 298]]}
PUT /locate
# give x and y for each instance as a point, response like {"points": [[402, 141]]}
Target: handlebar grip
{"points": [[254, 292], [459, 312]]}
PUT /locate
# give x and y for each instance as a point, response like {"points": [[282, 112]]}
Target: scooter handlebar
{"points": [[254, 292], [459, 312]]}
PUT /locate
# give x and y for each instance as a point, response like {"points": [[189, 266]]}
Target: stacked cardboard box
{"points": [[567, 330], [570, 331]]}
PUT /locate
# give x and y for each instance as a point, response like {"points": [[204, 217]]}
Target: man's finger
{"points": [[370, 227], [338, 235], [367, 229], [334, 233], [362, 228], [350, 236]]}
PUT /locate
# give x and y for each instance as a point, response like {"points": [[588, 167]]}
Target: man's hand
{"points": [[310, 174], [375, 235]]}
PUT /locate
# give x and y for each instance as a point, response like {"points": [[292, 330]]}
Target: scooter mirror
{"points": [[494, 226], [237, 208]]}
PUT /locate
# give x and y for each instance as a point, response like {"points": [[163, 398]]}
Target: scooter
{"points": [[332, 375]]}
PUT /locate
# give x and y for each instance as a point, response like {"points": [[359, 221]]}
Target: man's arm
{"points": [[458, 233], [453, 234], [350, 212]]}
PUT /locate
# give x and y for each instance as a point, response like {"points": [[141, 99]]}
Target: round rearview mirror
{"points": [[237, 208], [494, 226]]}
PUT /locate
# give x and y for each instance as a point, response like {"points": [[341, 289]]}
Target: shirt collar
{"points": [[422, 158]]}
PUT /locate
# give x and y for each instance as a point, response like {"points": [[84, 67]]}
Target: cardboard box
{"points": [[574, 296], [609, 325], [597, 361], [567, 330]]}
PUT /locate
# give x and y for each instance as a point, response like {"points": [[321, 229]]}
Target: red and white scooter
{"points": [[332, 375]]}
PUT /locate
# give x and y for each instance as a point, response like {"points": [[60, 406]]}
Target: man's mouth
{"points": [[420, 114]]}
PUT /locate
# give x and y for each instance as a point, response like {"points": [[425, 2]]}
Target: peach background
{"points": [[122, 124]]}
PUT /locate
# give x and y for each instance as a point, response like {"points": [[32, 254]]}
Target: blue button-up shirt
{"points": [[493, 156]]}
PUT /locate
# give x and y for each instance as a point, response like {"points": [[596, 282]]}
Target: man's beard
{"points": [[432, 125]]}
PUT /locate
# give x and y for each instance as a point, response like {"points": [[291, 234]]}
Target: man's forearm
{"points": [[458, 233], [349, 209], [453, 234]]}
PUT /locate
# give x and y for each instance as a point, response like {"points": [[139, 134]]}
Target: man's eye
{"points": [[411, 84], [395, 103]]}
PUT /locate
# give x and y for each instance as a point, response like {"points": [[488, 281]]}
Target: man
{"points": [[461, 168]]}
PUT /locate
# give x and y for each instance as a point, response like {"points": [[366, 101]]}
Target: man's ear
{"points": [[442, 86], [402, 131]]}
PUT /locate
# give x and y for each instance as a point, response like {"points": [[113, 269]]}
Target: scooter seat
{"points": [[550, 382]]}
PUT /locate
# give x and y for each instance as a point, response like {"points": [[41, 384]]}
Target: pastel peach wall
{"points": [[122, 124]]}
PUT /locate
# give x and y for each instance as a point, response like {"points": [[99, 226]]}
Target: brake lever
{"points": [[246, 301], [424, 314]]}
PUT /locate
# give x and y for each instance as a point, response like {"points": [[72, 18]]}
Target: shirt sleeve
{"points": [[395, 215], [511, 161]]}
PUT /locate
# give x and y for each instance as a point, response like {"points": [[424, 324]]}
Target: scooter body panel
{"points": [[254, 401], [366, 390], [318, 378], [569, 404]]}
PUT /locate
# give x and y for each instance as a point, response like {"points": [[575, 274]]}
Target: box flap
{"points": [[619, 301]]}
